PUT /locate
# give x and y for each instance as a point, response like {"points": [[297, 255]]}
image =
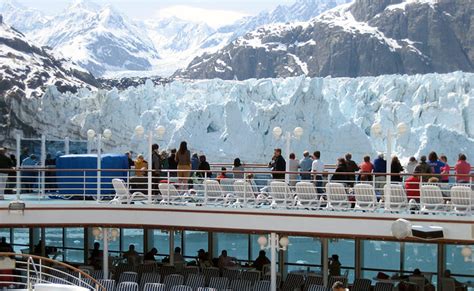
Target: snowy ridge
{"points": [[225, 119], [27, 70], [361, 38], [342, 17]]}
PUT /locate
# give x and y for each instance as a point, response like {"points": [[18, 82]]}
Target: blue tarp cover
{"points": [[85, 182]]}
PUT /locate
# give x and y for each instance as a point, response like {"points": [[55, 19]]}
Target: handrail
{"points": [[31, 258]]}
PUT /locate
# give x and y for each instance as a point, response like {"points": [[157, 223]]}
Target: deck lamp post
{"points": [[287, 136], [377, 131], [91, 135], [106, 235], [160, 132], [274, 243]]}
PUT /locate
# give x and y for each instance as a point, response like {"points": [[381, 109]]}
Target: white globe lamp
{"points": [[277, 131], [90, 133], [139, 130], [402, 128], [298, 132], [376, 129], [160, 131], [262, 242], [466, 252], [284, 242], [107, 133]]}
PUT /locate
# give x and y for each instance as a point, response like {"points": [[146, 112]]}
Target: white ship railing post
{"points": [[18, 165]]}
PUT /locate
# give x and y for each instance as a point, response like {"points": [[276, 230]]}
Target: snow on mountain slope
{"points": [[26, 70], [98, 38], [20, 17], [301, 10], [362, 38], [225, 119]]}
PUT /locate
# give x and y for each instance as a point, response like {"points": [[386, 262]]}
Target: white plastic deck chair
{"points": [[169, 193], [365, 197], [307, 195], [398, 197], [431, 199], [244, 193], [281, 194], [213, 192], [462, 199], [122, 195], [337, 197], [227, 185]]}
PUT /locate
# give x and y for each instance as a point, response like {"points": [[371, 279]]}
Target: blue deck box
{"points": [[73, 177]]}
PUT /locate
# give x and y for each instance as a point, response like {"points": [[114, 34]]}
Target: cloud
{"points": [[213, 17]]}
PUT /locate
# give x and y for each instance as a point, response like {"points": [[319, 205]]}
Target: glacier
{"points": [[228, 119]]}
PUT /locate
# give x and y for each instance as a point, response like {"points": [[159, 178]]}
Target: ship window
{"points": [[345, 249], [380, 256], [132, 236], [237, 245], [21, 240], [193, 241], [304, 253], [74, 244], [160, 240], [461, 268]]}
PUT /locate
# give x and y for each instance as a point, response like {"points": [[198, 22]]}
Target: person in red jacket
{"points": [[412, 185]]}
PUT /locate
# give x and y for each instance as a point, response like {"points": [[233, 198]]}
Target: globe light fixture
{"points": [[376, 129], [402, 128], [90, 133], [466, 252], [298, 132], [160, 131], [139, 130], [107, 133], [277, 131]]}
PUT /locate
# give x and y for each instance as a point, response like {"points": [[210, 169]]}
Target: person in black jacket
{"points": [[352, 167], [204, 166], [278, 164], [340, 168]]}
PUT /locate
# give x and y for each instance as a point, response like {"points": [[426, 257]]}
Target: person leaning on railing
{"points": [[462, 167], [412, 185]]}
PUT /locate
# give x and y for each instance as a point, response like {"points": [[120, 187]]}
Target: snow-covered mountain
{"points": [[226, 119], [362, 38], [301, 10], [22, 18], [101, 39], [26, 72], [98, 38]]}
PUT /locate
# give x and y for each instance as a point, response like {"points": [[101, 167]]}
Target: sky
{"points": [[215, 13]]}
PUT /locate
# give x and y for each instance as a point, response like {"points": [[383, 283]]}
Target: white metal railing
{"points": [[24, 271], [252, 188]]}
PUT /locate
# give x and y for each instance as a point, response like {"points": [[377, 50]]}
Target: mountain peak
{"points": [[86, 5]]}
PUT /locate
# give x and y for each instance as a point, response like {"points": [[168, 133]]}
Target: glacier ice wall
{"points": [[225, 119]]}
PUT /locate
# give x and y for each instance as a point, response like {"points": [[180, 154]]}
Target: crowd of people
{"points": [[185, 166]]}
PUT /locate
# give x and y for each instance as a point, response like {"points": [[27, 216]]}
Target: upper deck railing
{"points": [[25, 271], [254, 187]]}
